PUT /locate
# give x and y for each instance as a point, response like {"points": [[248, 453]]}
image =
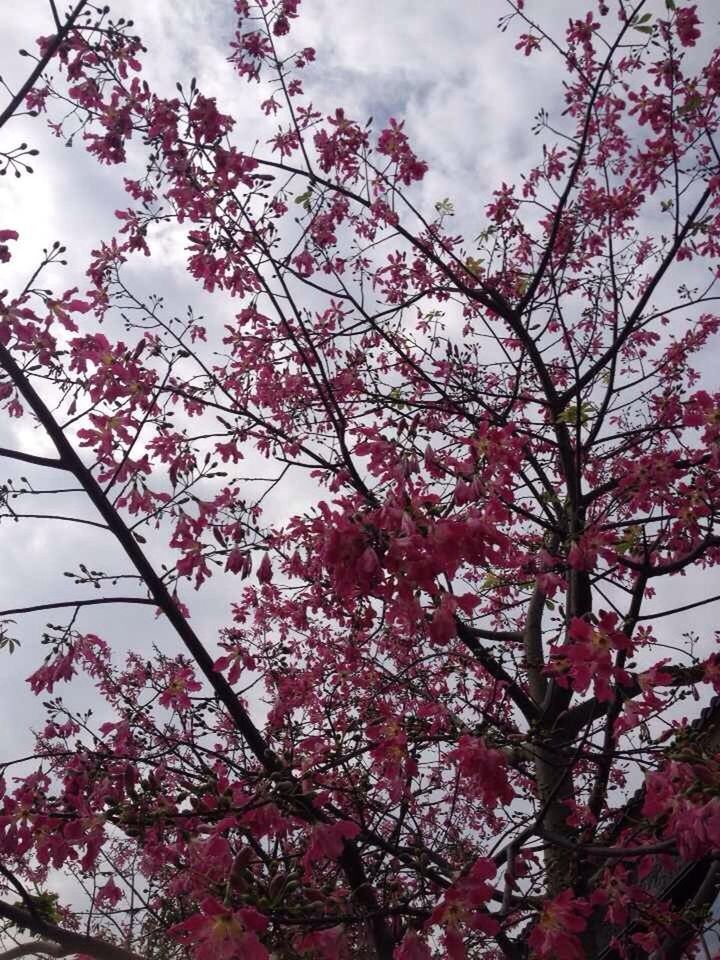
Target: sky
{"points": [[468, 101], [443, 67]]}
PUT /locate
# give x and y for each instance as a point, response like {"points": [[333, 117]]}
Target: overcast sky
{"points": [[442, 66]]}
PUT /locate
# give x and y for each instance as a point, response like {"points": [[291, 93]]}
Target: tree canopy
{"points": [[456, 710]]}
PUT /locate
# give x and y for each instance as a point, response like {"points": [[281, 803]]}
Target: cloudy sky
{"points": [[468, 100], [468, 103], [443, 66]]}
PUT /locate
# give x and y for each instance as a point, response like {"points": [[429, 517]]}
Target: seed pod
{"points": [[276, 886]]}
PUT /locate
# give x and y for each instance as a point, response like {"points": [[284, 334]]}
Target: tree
{"points": [[444, 675]]}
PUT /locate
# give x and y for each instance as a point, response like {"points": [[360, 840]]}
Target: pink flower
{"points": [[4, 250], [327, 840], [554, 935], [442, 626], [61, 668], [687, 24], [175, 695], [239, 561], [221, 933], [528, 43], [587, 657], [265, 570], [464, 906], [394, 144], [109, 893], [304, 263], [412, 948], [485, 768]]}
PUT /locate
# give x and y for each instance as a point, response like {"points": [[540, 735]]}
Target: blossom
{"points": [[239, 561], [554, 936], [485, 768], [265, 570], [327, 840], [109, 893], [583, 554], [6, 235], [464, 905], [528, 43], [442, 624], [687, 25], [412, 948], [390, 755], [581, 31], [587, 657], [393, 142], [207, 123], [176, 694], [304, 263], [221, 933]]}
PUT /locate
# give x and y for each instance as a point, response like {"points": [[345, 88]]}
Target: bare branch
{"points": [[68, 940], [42, 63]]}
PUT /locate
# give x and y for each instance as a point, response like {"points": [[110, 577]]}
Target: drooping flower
{"points": [[554, 936], [221, 933]]}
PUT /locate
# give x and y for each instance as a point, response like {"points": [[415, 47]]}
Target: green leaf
{"points": [[573, 414], [304, 199], [630, 538], [473, 266], [45, 907], [690, 105]]}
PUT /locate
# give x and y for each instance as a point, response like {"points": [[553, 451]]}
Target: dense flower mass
{"points": [[459, 707]]}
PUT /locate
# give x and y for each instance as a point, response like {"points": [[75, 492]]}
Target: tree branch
{"points": [[68, 940], [34, 947], [593, 709], [90, 602], [52, 49], [594, 850], [515, 692], [532, 637], [32, 458]]}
